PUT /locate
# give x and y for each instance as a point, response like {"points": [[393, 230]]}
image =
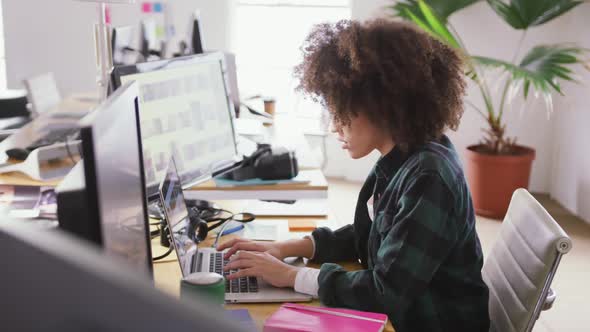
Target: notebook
{"points": [[243, 317], [295, 318]]}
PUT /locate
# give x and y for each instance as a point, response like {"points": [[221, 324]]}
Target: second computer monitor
{"points": [[114, 178], [186, 112]]}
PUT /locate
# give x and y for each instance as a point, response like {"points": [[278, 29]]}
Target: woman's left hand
{"points": [[263, 265]]}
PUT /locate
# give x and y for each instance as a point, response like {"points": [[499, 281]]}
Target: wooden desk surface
{"points": [[167, 278], [317, 182]]}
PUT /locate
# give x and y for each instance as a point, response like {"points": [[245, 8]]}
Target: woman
{"points": [[394, 89]]}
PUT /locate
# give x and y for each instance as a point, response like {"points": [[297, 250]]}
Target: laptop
{"points": [[195, 258]]}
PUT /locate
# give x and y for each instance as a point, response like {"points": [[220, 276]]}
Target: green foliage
{"points": [[542, 68], [443, 8], [524, 14]]}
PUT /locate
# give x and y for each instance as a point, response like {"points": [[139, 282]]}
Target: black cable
{"points": [[214, 217], [154, 259]]}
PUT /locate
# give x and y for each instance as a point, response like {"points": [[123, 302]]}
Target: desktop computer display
{"points": [[122, 40], [186, 113], [195, 36], [149, 38], [104, 200], [55, 282]]}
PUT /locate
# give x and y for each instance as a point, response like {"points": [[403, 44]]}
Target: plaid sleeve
{"points": [[417, 235], [334, 246]]}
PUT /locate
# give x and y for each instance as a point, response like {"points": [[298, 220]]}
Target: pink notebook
{"points": [[298, 318]]}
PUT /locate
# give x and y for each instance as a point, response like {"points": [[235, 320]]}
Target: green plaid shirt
{"points": [[421, 254]]}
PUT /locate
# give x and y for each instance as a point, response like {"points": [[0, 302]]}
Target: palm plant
{"points": [[541, 68]]}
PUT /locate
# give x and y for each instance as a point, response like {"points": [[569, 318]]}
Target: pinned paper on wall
{"points": [[158, 7], [160, 32], [146, 7], [107, 14]]}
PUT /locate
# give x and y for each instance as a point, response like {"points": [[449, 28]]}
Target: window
{"points": [[2, 59], [266, 38]]}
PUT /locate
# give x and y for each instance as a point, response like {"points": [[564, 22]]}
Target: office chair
{"points": [[522, 264]]}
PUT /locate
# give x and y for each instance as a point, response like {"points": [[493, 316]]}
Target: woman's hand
{"points": [[273, 248], [263, 265]]}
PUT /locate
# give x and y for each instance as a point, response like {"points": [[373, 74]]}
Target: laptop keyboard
{"points": [[240, 285]]}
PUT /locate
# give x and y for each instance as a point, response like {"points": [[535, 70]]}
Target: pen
{"points": [[232, 230]]}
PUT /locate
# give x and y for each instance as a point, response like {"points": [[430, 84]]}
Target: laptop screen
{"points": [[177, 217]]}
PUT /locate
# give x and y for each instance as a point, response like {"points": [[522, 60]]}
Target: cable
{"points": [[213, 217], [155, 259]]}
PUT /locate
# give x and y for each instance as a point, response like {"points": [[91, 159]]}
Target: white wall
{"points": [[57, 36], [571, 163]]}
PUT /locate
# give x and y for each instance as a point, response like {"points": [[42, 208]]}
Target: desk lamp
{"points": [[104, 57]]}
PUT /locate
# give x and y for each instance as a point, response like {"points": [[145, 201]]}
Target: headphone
{"points": [[266, 163], [199, 220]]}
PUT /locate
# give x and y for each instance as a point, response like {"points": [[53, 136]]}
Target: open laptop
{"points": [[194, 259]]}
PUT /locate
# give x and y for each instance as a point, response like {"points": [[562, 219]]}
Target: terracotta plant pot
{"points": [[493, 178]]}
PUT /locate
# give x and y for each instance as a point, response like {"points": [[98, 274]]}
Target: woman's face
{"points": [[361, 136]]}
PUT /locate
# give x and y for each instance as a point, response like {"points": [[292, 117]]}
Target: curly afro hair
{"points": [[404, 80]]}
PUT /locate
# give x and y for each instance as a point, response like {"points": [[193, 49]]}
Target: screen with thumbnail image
{"points": [[177, 216], [185, 113]]}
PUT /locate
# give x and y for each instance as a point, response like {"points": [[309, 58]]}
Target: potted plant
{"points": [[497, 165]]}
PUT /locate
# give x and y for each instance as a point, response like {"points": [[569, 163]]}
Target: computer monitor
{"points": [[52, 281], [195, 35], [186, 112], [122, 46], [42, 93], [150, 45], [105, 202]]}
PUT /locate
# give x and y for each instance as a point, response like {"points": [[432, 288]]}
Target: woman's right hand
{"points": [[238, 244]]}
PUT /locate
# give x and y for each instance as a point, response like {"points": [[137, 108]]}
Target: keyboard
{"points": [[55, 136], [240, 285]]}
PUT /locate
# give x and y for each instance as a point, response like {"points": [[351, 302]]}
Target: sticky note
{"points": [[146, 7], [158, 7], [302, 225], [160, 32]]}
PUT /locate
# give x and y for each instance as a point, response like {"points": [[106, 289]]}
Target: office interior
{"points": [[263, 40]]}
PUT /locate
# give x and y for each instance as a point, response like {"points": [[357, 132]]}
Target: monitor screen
{"points": [[195, 35], [114, 176], [122, 40], [177, 217], [185, 113], [54, 282]]}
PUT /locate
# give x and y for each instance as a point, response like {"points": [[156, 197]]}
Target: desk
{"points": [[167, 273], [167, 278], [77, 104], [316, 188]]}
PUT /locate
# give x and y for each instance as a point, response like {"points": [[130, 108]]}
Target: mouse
{"points": [[17, 153]]}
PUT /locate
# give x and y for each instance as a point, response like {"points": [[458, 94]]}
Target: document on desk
{"points": [[267, 230], [329, 223], [298, 208]]}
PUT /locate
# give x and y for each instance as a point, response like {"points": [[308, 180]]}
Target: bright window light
{"points": [[2, 58], [266, 38]]}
